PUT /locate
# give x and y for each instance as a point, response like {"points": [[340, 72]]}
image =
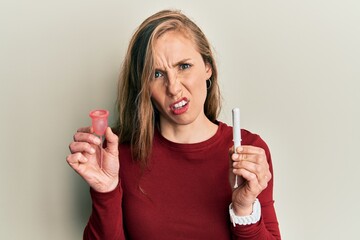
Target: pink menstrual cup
{"points": [[99, 121]]}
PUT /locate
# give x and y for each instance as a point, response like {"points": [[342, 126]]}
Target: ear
{"points": [[208, 70]]}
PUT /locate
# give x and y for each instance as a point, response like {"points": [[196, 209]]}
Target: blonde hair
{"points": [[137, 115]]}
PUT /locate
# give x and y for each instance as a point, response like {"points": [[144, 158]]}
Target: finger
{"points": [[81, 147], [262, 172], [250, 166], [262, 183], [247, 175], [265, 180], [254, 185], [253, 162], [87, 137], [255, 155], [251, 158], [250, 149], [88, 129], [76, 158], [112, 141], [248, 157], [254, 158]]}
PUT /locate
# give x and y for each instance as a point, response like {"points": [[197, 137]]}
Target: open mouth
{"points": [[180, 106]]}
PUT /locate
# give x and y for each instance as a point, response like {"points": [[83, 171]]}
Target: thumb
{"points": [[112, 141]]}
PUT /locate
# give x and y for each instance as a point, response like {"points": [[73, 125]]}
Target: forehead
{"points": [[173, 45]]}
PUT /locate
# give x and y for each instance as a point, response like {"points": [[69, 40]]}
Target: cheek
{"points": [[199, 85], [195, 80], [157, 95]]}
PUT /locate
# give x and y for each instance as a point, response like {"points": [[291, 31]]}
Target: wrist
{"points": [[241, 210], [252, 218], [105, 188], [113, 185], [104, 196]]}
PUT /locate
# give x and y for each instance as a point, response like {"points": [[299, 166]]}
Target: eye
{"points": [[158, 74], [184, 66]]}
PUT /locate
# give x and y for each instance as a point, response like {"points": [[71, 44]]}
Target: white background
{"points": [[291, 66]]}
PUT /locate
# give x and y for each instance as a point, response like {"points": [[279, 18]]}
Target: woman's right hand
{"points": [[85, 159]]}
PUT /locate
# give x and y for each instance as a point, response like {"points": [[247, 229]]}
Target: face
{"points": [[178, 88]]}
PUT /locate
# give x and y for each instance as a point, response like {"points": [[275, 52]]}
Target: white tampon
{"points": [[236, 134]]}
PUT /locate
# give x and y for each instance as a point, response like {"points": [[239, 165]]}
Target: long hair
{"points": [[137, 115]]}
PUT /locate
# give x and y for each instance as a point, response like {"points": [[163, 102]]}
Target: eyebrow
{"points": [[181, 61], [176, 64]]}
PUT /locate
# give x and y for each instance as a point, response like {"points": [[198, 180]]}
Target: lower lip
{"points": [[181, 110]]}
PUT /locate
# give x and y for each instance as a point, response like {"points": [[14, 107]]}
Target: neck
{"points": [[189, 133]]}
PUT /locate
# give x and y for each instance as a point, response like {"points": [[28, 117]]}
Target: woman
{"points": [[173, 182]]}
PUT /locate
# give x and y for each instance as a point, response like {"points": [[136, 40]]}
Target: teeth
{"points": [[180, 104]]}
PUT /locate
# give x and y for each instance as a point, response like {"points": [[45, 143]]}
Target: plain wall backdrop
{"points": [[293, 67]]}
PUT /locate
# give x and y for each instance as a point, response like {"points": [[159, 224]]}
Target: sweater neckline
{"points": [[191, 146]]}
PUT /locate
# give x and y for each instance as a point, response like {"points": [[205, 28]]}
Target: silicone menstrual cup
{"points": [[99, 121]]}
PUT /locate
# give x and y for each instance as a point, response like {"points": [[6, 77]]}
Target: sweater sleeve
{"points": [[267, 227], [106, 220]]}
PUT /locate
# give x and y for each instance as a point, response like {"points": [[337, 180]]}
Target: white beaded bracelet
{"points": [[246, 220]]}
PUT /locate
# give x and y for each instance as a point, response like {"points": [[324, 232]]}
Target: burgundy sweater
{"points": [[184, 193]]}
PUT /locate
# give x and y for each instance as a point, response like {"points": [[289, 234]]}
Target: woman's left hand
{"points": [[251, 166]]}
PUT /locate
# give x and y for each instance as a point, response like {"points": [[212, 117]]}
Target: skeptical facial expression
{"points": [[178, 88]]}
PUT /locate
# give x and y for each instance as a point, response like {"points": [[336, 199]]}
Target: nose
{"points": [[174, 87]]}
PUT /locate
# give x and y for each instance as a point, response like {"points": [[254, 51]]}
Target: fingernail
{"points": [[235, 156], [92, 151], [97, 141]]}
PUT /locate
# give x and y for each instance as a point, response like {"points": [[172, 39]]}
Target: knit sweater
{"points": [[183, 193]]}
